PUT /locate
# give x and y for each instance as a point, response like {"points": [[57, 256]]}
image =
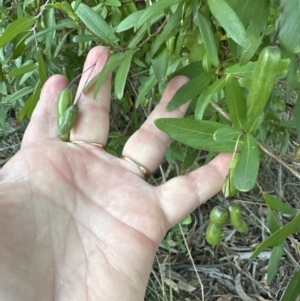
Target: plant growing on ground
{"points": [[241, 58]]}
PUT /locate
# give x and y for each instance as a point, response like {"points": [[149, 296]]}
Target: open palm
{"points": [[77, 223]]}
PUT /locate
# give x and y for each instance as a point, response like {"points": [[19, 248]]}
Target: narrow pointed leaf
{"points": [[66, 7], [145, 88], [274, 262], [30, 103], [129, 21], [189, 90], [278, 237], [51, 21], [20, 93], [112, 64], [153, 10], [297, 115], [292, 291], [247, 9], [208, 38], [95, 23], [236, 103], [290, 26], [19, 26], [229, 20], [269, 68], [226, 134], [272, 219], [196, 133], [160, 64], [206, 96], [191, 70], [278, 205], [42, 67], [245, 71], [247, 168], [256, 28], [63, 24], [122, 72], [22, 70], [167, 32]]}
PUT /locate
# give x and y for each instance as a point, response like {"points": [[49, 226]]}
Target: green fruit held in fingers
{"points": [[236, 219], [219, 215], [213, 234], [63, 102], [68, 120]]}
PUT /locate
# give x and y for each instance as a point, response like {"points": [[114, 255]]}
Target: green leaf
{"points": [[297, 115], [113, 62], [247, 168], [189, 90], [95, 23], [269, 68], [274, 262], [30, 103], [22, 70], [206, 96], [289, 26], [138, 36], [145, 88], [190, 157], [256, 29], [168, 31], [226, 134], [65, 23], [3, 112], [278, 237], [228, 20], [20, 93], [208, 39], [122, 72], [239, 71], [196, 133], [129, 21], [191, 70], [292, 75], [160, 64], [19, 26], [66, 7], [42, 67], [236, 103], [272, 219], [113, 2], [60, 45], [292, 291], [247, 9], [278, 205], [51, 21], [155, 9]]}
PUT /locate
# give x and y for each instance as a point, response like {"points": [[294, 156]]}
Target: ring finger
{"points": [[148, 145]]}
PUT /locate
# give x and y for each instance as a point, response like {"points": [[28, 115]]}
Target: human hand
{"points": [[77, 223]]}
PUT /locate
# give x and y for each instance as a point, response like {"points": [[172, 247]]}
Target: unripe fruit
{"points": [[213, 233], [68, 120], [219, 215], [236, 219]]}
